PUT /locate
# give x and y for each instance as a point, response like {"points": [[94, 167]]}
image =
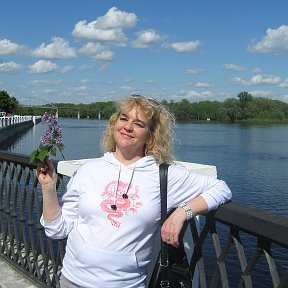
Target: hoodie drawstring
{"points": [[125, 194]]}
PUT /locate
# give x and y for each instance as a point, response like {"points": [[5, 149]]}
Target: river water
{"points": [[253, 160]]}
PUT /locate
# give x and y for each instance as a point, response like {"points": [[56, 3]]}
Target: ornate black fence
{"points": [[237, 246]]}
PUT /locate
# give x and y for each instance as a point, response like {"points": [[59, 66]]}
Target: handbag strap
{"points": [[163, 174]]}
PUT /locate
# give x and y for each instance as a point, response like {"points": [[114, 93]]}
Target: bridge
{"points": [[49, 106], [223, 233], [58, 108]]}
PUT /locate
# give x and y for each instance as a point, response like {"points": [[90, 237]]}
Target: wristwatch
{"points": [[187, 209]]}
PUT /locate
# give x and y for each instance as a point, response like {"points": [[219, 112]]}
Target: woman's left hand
{"points": [[171, 228]]}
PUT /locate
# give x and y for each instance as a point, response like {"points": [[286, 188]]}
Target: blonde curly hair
{"points": [[160, 122]]}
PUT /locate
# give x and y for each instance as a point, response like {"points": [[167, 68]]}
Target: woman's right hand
{"points": [[46, 172], [47, 178]]}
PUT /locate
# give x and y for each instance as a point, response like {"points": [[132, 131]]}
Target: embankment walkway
{"points": [[13, 125], [9, 278]]}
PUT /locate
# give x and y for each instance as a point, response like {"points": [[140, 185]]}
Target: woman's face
{"points": [[131, 133]]}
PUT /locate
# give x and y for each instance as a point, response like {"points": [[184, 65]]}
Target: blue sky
{"points": [[91, 50]]}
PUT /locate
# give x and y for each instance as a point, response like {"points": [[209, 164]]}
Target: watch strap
{"points": [[187, 209]]}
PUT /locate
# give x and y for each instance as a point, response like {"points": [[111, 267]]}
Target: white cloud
{"points": [[202, 84], [183, 47], [10, 67], [264, 79], [87, 67], [84, 81], [103, 68], [50, 91], [284, 84], [239, 80], [59, 48], [194, 71], [115, 18], [256, 70], [66, 69], [43, 82], [261, 93], [106, 28], [197, 94], [257, 80], [80, 89], [127, 88], [233, 67], [97, 51], [8, 48], [91, 48], [146, 38], [43, 66], [89, 32], [275, 41], [104, 56]]}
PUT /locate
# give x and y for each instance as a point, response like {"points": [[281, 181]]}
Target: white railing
{"points": [[15, 119], [67, 168]]}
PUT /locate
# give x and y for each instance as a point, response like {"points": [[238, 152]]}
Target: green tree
{"points": [[230, 110], [7, 103], [207, 109], [244, 99], [181, 110]]}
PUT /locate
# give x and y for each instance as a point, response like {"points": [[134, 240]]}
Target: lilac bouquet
{"points": [[50, 141]]}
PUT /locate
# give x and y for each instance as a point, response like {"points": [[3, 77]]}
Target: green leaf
{"points": [[42, 154], [61, 147], [33, 156], [52, 151]]}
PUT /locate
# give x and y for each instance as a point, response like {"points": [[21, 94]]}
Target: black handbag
{"points": [[172, 268]]}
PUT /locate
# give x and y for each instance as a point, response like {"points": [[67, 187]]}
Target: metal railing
{"points": [[231, 245]]}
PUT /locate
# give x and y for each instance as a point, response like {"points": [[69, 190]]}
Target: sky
{"points": [[71, 51]]}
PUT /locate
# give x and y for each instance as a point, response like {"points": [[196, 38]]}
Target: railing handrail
{"points": [[44, 264], [254, 221]]}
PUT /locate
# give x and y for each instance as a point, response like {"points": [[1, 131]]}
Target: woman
{"points": [[111, 209]]}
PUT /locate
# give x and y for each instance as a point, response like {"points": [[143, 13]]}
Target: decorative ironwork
{"points": [[22, 239], [220, 243]]}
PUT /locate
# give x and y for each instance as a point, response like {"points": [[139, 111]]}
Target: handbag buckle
{"points": [[164, 265], [165, 284]]}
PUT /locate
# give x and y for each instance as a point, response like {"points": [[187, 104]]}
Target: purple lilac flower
{"points": [[46, 138], [50, 119], [58, 140], [53, 134], [51, 139]]}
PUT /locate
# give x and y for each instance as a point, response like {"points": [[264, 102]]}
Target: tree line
{"points": [[243, 108]]}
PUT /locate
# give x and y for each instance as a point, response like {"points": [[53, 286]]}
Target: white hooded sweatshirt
{"points": [[109, 248]]}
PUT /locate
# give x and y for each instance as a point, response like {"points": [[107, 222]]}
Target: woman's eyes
{"points": [[138, 124], [141, 125]]}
